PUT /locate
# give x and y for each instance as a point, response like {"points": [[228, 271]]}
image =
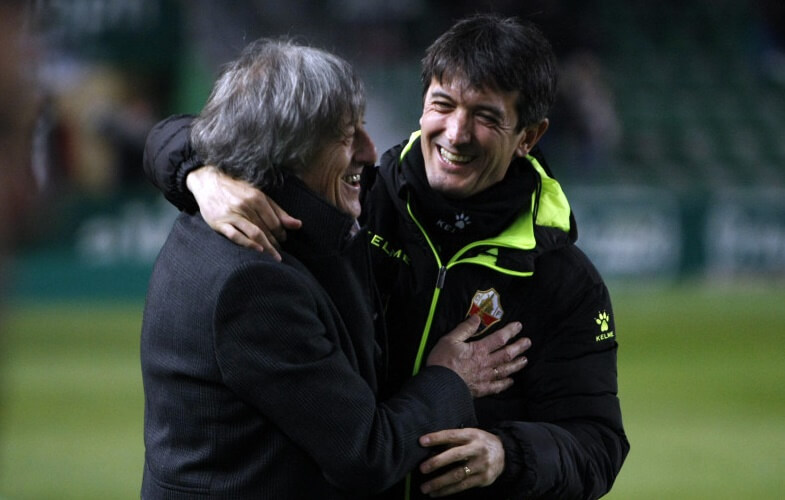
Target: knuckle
{"points": [[509, 333]]}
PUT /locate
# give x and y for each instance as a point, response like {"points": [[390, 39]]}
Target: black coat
{"points": [[259, 385]]}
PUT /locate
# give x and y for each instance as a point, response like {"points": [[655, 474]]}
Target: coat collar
{"points": [[325, 230]]}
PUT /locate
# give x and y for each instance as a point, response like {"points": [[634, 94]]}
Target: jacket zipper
{"points": [[454, 260]]}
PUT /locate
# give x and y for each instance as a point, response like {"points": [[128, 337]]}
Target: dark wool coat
{"points": [[261, 383]]}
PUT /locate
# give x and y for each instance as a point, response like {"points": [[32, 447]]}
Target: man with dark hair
{"points": [[464, 218]]}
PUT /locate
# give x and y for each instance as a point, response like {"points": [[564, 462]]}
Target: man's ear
{"points": [[532, 135]]}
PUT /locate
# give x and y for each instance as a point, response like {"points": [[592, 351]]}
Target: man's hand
{"points": [[485, 365], [474, 458], [239, 211]]}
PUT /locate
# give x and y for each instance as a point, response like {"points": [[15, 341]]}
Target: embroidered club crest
{"points": [[487, 305]]}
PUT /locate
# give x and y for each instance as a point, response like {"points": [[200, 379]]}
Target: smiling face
{"points": [[335, 172], [469, 136]]}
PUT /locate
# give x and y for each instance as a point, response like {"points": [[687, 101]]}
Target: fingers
{"points": [[239, 211], [473, 458], [485, 365], [267, 217], [517, 348], [496, 348], [458, 451], [499, 338], [505, 370], [265, 239], [287, 221], [509, 353], [455, 480], [498, 378], [266, 222], [446, 437], [465, 329], [245, 234]]}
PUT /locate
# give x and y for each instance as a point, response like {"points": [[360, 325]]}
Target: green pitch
{"points": [[72, 403], [702, 382], [702, 385]]}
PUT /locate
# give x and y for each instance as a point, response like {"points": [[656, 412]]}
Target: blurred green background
{"points": [[701, 384], [667, 137]]}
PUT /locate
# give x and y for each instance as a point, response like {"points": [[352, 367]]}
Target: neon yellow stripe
{"points": [[554, 209], [518, 235], [434, 300], [427, 329], [485, 261], [409, 144]]}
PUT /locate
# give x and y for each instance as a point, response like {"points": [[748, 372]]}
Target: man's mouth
{"points": [[454, 157], [352, 179]]}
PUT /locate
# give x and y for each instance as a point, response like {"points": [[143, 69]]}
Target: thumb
{"points": [[465, 329]]}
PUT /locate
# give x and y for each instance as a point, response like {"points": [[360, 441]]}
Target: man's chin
{"points": [[452, 191], [352, 209]]}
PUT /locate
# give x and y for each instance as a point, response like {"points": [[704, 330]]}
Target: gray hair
{"points": [[274, 107]]}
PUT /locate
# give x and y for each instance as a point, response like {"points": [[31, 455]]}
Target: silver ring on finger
{"points": [[496, 373], [466, 471]]}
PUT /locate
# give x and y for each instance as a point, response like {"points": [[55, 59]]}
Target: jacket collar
{"points": [[548, 224]]}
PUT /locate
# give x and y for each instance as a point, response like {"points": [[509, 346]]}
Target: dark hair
{"points": [[273, 108], [498, 53]]}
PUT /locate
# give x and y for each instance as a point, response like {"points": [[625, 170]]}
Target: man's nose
{"points": [[366, 149], [458, 128]]}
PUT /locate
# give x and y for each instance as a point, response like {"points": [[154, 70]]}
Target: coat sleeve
{"points": [[168, 159], [572, 443], [275, 350]]}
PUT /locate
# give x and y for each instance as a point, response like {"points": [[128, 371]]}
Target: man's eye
{"points": [[490, 119]]}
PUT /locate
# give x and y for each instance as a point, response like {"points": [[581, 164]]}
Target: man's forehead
{"points": [[459, 86]]}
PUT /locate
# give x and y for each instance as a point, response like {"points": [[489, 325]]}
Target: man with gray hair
{"points": [[260, 376]]}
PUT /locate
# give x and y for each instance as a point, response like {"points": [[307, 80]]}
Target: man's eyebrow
{"points": [[494, 110], [440, 93]]}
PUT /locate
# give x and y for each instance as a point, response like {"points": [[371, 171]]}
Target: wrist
{"points": [[197, 177], [188, 166]]}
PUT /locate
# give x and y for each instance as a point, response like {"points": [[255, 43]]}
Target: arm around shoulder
{"points": [[168, 159]]}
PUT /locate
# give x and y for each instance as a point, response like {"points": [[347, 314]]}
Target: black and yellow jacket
{"points": [[561, 422]]}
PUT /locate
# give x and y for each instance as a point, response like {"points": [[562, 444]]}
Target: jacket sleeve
{"points": [[275, 350], [169, 158], [572, 443]]}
